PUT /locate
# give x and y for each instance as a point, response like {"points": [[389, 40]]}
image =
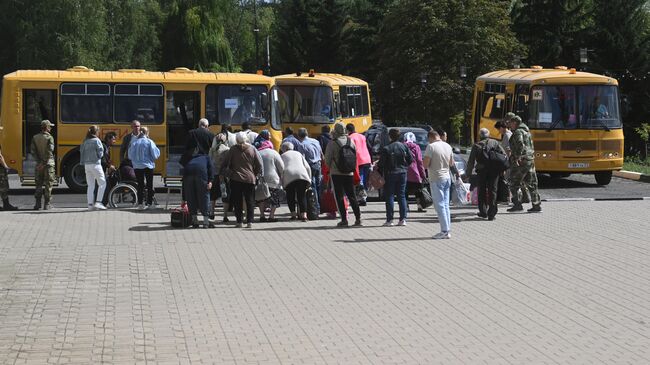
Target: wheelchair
{"points": [[125, 192]]}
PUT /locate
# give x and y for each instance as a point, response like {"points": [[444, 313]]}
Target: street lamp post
{"points": [[463, 76], [423, 82]]}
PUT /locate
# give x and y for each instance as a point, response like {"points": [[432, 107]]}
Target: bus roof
{"points": [[331, 79], [533, 75], [82, 74]]}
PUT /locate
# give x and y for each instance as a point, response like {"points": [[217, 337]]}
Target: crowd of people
{"points": [[315, 176]]}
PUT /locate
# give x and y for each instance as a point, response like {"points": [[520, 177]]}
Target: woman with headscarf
{"points": [[342, 181], [296, 179], [273, 167], [244, 165], [220, 187], [415, 174]]}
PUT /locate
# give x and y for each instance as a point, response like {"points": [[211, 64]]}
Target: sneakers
{"points": [[388, 224], [515, 208], [100, 206], [401, 223], [535, 209], [442, 236], [141, 207]]}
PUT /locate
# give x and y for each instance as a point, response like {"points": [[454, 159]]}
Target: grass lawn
{"points": [[637, 165]]}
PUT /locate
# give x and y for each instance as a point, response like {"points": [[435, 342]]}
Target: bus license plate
{"points": [[578, 165]]}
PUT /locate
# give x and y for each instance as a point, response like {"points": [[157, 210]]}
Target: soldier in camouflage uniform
{"points": [[42, 148], [4, 184], [522, 166]]}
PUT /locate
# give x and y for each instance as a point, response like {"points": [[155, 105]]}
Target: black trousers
{"points": [[488, 183], [239, 190], [296, 193], [141, 175], [343, 184]]}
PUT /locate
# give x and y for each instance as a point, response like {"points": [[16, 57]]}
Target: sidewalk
{"points": [[568, 286]]}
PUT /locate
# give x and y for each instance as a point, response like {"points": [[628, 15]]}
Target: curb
{"points": [[630, 175]]}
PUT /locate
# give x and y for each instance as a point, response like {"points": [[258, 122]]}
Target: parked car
{"points": [[377, 138]]}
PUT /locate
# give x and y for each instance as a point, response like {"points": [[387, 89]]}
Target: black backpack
{"points": [[346, 161], [493, 158]]}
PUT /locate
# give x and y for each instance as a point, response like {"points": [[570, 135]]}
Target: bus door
{"points": [[183, 110], [37, 106]]}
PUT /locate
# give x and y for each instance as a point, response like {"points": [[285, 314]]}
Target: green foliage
{"points": [[308, 35], [434, 39], [553, 30], [644, 132], [194, 36]]}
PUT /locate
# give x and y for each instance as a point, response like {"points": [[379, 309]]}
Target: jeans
{"points": [[94, 173], [364, 175], [395, 185], [197, 194], [141, 175], [440, 194]]}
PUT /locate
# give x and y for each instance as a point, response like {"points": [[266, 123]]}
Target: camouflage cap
{"points": [[46, 123], [509, 115], [516, 119]]}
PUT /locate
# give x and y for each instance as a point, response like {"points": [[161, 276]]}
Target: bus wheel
{"points": [[603, 178], [75, 175]]}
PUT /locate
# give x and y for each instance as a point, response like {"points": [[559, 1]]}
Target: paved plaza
{"points": [[568, 286]]}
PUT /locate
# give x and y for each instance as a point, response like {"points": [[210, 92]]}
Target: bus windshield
{"points": [[574, 107], [306, 104], [235, 104]]}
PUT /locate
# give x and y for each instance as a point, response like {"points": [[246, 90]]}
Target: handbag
{"points": [[424, 198], [375, 180], [180, 217], [262, 190]]}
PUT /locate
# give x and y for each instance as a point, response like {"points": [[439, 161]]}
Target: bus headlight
{"points": [[610, 155]]}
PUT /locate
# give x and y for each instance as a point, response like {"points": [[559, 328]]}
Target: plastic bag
{"points": [[462, 192]]}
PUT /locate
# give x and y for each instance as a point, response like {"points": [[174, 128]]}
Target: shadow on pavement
{"points": [[370, 240], [547, 183]]}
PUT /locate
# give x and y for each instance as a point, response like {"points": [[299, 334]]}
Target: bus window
{"points": [[86, 103], [235, 104], [306, 104], [598, 107], [354, 101], [521, 105], [37, 106], [144, 102], [553, 107]]}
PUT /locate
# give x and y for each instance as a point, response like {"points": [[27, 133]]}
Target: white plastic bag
{"points": [[462, 192]]}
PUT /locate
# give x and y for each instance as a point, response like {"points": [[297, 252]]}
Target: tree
{"points": [[433, 39], [621, 48], [553, 30], [193, 36], [308, 35]]}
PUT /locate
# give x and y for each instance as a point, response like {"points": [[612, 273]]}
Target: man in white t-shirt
{"points": [[438, 158]]}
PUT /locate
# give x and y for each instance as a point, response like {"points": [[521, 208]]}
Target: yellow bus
{"points": [[169, 103], [311, 100], [573, 116]]}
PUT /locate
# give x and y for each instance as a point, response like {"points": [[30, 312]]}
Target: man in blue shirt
{"points": [[313, 153], [290, 137]]}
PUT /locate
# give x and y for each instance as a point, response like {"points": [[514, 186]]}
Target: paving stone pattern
{"points": [[568, 286]]}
